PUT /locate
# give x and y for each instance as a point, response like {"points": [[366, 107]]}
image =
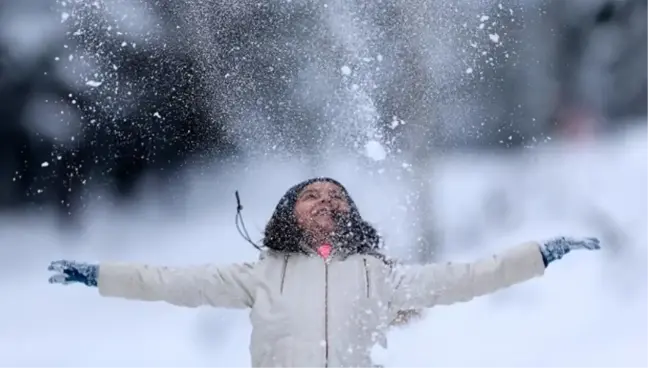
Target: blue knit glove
{"points": [[556, 248], [70, 272]]}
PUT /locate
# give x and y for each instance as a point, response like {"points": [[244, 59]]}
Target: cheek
{"points": [[343, 206], [301, 215]]}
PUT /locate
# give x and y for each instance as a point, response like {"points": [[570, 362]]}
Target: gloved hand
{"points": [[556, 248], [71, 271]]}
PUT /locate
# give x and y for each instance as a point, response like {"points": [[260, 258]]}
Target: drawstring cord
{"points": [[240, 224]]}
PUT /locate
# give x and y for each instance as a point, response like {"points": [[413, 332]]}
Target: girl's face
{"points": [[318, 204]]}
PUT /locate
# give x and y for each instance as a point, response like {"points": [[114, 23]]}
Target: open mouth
{"points": [[322, 211]]}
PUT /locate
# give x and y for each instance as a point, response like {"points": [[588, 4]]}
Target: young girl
{"points": [[322, 294]]}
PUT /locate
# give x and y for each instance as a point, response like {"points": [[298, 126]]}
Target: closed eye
{"points": [[337, 195], [309, 195]]}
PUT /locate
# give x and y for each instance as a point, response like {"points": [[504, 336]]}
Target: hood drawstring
{"points": [[323, 250], [240, 224]]}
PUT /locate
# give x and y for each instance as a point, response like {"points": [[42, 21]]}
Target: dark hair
{"points": [[284, 235]]}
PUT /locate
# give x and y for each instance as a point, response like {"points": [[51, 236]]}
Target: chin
{"points": [[325, 225]]}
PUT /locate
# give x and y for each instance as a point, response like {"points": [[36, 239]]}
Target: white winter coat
{"points": [[307, 312]]}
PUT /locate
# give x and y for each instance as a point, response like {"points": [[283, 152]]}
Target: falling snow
{"points": [[375, 151], [139, 88]]}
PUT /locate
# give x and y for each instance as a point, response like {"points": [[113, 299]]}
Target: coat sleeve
{"points": [[228, 286], [424, 286]]}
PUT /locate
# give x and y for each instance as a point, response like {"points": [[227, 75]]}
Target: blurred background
{"points": [[127, 125]]}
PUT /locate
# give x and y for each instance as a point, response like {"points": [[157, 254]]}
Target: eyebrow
{"points": [[306, 192], [334, 191]]}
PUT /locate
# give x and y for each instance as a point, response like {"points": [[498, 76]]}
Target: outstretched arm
{"points": [[423, 286], [228, 286]]}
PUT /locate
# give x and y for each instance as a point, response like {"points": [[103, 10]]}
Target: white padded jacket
{"points": [[308, 312]]}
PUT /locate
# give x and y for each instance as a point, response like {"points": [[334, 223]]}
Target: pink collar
{"points": [[324, 250]]}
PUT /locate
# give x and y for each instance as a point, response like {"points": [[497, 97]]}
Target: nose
{"points": [[325, 197]]}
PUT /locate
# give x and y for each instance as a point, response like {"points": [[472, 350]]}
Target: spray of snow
{"points": [[588, 310]]}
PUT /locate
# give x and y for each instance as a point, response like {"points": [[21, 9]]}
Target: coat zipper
{"points": [[326, 332], [283, 273], [366, 269]]}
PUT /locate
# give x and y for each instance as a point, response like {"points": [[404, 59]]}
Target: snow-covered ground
{"points": [[589, 309]]}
